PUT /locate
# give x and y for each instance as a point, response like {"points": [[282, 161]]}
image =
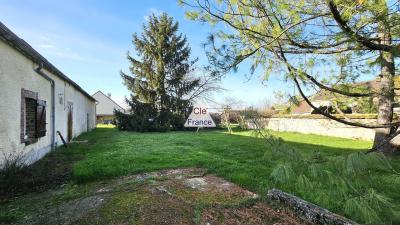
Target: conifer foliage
{"points": [[161, 78]]}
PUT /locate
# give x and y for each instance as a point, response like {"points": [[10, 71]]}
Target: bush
{"points": [[216, 118], [16, 177], [10, 172], [146, 118]]}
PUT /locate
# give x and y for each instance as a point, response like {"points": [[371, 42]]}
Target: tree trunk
{"points": [[385, 98]]}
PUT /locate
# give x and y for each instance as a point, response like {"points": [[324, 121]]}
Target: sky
{"points": [[88, 40]]}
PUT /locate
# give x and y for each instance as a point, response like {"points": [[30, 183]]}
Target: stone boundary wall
{"points": [[317, 125]]}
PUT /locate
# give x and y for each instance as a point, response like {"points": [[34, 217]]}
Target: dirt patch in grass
{"points": [[179, 196], [164, 209], [68, 212], [256, 214]]}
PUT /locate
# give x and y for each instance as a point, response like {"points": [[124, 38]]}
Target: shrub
{"points": [[10, 171], [145, 117], [16, 177]]}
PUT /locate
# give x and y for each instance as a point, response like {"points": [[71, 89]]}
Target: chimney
{"points": [[109, 95]]}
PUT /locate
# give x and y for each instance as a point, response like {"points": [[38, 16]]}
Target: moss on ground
{"points": [[150, 199]]}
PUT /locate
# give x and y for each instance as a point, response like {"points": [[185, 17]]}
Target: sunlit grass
{"points": [[238, 157], [102, 125]]}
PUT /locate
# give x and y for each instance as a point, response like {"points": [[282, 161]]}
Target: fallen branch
{"points": [[306, 210]]}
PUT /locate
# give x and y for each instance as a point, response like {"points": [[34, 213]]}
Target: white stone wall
{"points": [[325, 127], [17, 72], [321, 126]]}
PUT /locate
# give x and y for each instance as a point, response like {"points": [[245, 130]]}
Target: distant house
{"points": [[323, 99], [38, 102], [105, 107], [320, 99]]}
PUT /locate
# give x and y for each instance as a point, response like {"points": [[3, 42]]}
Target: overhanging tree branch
{"points": [[338, 119], [282, 56], [316, 82], [334, 90], [362, 40]]}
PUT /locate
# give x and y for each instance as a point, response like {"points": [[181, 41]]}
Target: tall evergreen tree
{"points": [[160, 82]]}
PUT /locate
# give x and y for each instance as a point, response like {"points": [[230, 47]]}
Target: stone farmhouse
{"points": [[105, 108], [39, 103]]}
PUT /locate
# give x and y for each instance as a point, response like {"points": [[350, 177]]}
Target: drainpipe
{"points": [[53, 108]]}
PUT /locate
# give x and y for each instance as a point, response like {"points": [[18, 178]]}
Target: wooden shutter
{"points": [[41, 118]]}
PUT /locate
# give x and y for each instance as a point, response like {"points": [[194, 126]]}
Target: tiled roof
{"points": [[24, 48]]}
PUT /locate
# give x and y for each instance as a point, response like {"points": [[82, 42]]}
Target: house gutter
{"points": [[53, 108]]}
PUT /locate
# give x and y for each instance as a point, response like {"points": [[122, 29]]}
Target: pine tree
{"points": [[327, 45], [160, 82]]}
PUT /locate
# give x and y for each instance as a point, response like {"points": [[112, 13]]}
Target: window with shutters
{"points": [[33, 117]]}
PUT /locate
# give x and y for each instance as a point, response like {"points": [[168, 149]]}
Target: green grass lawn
{"points": [[239, 157], [249, 162]]}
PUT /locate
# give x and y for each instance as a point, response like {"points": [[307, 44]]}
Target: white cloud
{"points": [[156, 12]]}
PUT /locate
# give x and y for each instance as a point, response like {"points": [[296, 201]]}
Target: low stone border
{"points": [[319, 116], [306, 210]]}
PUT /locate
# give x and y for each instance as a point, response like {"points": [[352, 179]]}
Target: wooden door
{"points": [[70, 122]]}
